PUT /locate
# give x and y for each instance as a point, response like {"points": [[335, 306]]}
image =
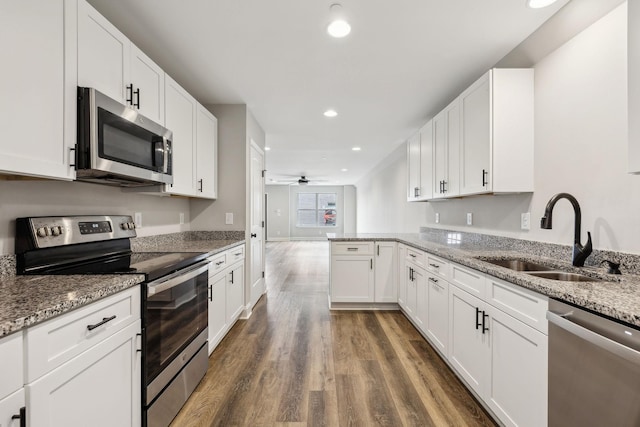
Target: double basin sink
{"points": [[539, 270]]}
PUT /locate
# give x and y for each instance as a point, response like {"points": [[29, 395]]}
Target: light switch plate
{"points": [[228, 218], [137, 218], [469, 218], [181, 217], [437, 218]]}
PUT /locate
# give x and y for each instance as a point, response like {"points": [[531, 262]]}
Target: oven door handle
{"points": [[176, 279], [620, 350]]}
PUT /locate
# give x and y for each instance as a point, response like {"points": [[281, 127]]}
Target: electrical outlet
{"points": [[181, 217], [437, 218], [228, 218], [525, 221], [469, 218], [137, 218]]}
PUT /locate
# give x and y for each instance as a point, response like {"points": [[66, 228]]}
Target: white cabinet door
{"points": [[180, 117], [235, 291], [206, 154], [352, 279], [475, 138], [103, 54], [439, 154], [422, 295], [426, 161], [100, 387], [10, 409], [37, 110], [452, 183], [402, 277], [386, 289], [438, 313], [217, 309], [469, 343], [413, 168], [412, 291], [517, 391], [147, 84]]}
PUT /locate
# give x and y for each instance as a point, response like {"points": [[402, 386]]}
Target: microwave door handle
{"points": [[165, 166]]}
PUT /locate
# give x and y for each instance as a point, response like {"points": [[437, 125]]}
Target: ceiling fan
{"points": [[300, 180]]}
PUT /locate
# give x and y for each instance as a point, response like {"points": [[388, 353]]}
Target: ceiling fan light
{"points": [[330, 113], [539, 4]]}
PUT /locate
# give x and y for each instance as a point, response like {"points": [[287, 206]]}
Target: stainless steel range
{"points": [[174, 297]]}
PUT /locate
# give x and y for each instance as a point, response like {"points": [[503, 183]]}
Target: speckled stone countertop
{"points": [[616, 296], [28, 300]]}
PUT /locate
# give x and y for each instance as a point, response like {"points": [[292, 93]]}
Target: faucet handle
{"points": [[614, 267]]}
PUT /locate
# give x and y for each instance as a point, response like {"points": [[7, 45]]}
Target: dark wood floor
{"points": [[295, 363]]}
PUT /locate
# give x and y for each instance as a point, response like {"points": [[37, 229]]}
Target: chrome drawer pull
{"points": [[434, 265], [104, 320], [352, 249]]}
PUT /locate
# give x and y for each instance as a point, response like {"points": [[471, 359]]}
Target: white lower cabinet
{"points": [[385, 285], [226, 293], [100, 387], [437, 327], [503, 359], [352, 278], [402, 276], [12, 409], [421, 312]]}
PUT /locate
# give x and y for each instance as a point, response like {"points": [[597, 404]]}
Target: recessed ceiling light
{"points": [[339, 28], [356, 149], [344, 170], [330, 113], [538, 4], [267, 148]]}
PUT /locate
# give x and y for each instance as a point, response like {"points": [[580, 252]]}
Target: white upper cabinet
{"points": [[37, 107], [419, 161], [446, 146], [109, 62], [206, 154], [496, 133], [180, 117], [413, 167], [147, 83]]}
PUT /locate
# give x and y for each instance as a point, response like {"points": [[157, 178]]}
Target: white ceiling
{"points": [[403, 61]]}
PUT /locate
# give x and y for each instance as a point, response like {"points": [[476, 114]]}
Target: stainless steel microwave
{"points": [[119, 146]]}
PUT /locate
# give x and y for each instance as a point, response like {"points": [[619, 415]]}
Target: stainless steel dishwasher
{"points": [[594, 369]]}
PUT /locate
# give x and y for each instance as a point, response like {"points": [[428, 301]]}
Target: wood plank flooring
{"points": [[295, 363]]}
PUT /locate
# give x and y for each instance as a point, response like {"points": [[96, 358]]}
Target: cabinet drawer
{"points": [[417, 257], [525, 305], [438, 266], [352, 248], [235, 254], [217, 263], [12, 364], [54, 342], [468, 279]]}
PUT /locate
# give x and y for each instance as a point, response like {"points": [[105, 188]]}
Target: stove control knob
{"points": [[41, 232], [132, 225], [124, 225], [56, 231]]}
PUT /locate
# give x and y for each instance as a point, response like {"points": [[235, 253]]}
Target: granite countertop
{"points": [[616, 296], [28, 300]]}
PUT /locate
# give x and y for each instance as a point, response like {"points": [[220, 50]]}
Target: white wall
{"points": [[580, 148], [283, 198], [382, 199], [277, 212], [44, 198]]}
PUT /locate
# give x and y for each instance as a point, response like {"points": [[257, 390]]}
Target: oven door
{"points": [[175, 314]]}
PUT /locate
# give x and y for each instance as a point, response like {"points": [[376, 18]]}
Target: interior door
{"points": [[256, 259]]}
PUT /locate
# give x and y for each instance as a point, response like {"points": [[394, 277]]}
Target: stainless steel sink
{"points": [[561, 275], [518, 265]]}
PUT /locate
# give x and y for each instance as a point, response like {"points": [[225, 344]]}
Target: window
{"points": [[317, 210]]}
